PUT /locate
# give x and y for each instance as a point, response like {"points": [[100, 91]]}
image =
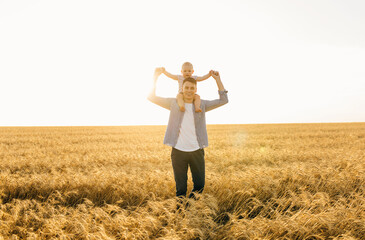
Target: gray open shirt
{"points": [[176, 117]]}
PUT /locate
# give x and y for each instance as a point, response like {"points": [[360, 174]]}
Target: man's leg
{"points": [[197, 167], [179, 161]]}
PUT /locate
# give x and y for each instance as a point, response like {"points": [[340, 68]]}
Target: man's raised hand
{"points": [[217, 77], [215, 74], [158, 72]]}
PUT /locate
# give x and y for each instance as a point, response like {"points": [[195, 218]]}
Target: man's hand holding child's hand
{"points": [[215, 74]]}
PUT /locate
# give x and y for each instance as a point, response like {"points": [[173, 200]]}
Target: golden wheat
{"points": [[279, 181]]}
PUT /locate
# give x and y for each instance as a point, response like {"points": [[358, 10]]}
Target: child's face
{"points": [[187, 71]]}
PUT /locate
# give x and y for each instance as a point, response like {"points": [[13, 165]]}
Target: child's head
{"points": [[187, 70]]}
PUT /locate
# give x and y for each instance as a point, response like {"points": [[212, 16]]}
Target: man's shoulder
{"points": [[204, 101], [172, 101]]}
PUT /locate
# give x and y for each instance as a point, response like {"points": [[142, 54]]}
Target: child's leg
{"points": [[180, 101], [197, 103]]}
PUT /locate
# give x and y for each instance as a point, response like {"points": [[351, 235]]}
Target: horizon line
{"points": [[148, 125]]}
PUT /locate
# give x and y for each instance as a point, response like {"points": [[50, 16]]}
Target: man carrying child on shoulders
{"points": [[186, 132]]}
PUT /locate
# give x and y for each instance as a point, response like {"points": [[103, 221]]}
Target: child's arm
{"points": [[206, 76], [174, 77]]}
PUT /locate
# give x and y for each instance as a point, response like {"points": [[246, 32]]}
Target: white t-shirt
{"points": [[187, 140], [180, 80]]}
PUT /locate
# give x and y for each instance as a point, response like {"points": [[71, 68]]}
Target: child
{"points": [[187, 71]]}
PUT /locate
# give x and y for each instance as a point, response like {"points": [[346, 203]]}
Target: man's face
{"points": [[189, 90]]}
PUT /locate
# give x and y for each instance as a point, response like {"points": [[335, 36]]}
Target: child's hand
{"points": [[215, 74]]}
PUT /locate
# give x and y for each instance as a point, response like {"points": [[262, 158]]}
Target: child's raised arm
{"points": [[174, 77], [205, 77]]}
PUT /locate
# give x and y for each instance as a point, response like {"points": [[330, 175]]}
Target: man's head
{"points": [[187, 70], [189, 89]]}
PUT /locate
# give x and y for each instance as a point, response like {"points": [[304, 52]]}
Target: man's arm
{"points": [[223, 98], [163, 102], [205, 77], [174, 77]]}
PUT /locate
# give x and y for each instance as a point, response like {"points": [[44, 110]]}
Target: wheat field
{"points": [[278, 181]]}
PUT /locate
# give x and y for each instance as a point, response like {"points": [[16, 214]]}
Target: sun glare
{"points": [[100, 57]]}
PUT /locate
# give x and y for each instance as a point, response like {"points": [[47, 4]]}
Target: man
{"points": [[186, 132]]}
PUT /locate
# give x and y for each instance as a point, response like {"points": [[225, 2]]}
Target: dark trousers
{"points": [[180, 163]]}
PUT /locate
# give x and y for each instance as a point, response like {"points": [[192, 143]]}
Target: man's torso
{"points": [[187, 140]]}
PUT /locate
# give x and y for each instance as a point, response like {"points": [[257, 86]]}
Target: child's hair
{"points": [[187, 64], [189, 79]]}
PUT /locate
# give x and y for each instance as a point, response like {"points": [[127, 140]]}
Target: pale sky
{"points": [[78, 63]]}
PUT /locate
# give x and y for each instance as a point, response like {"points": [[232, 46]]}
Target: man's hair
{"points": [[187, 64], [189, 79]]}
